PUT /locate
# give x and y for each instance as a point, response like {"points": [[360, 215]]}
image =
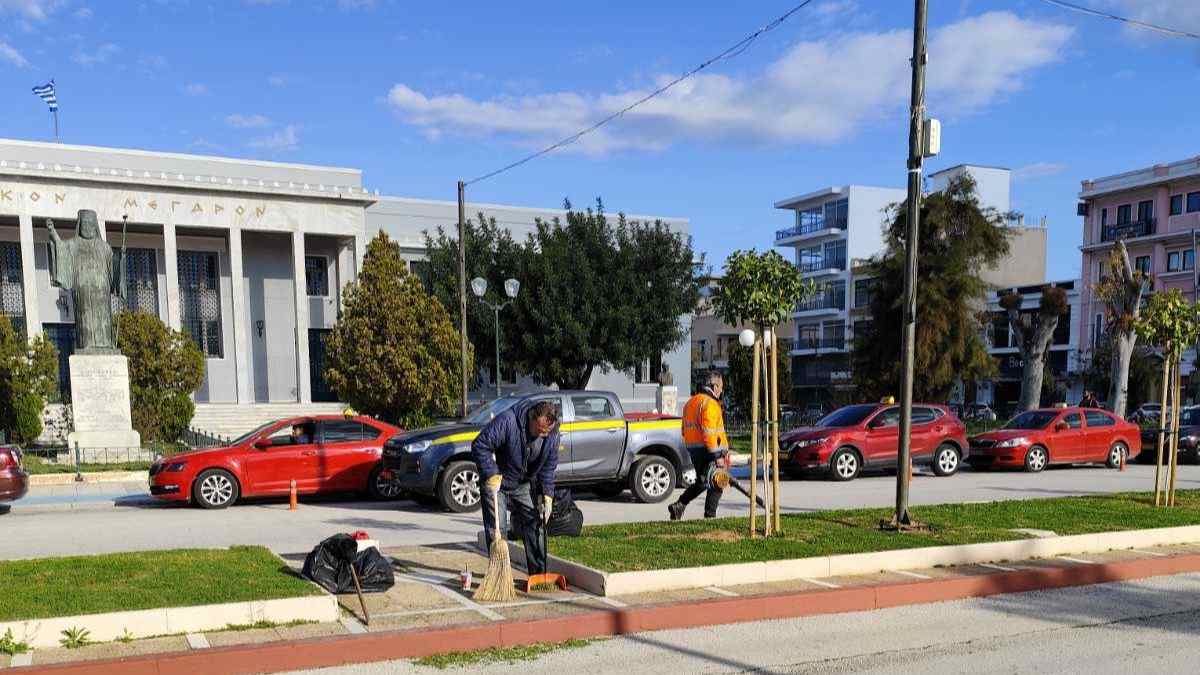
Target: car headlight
{"points": [[1188, 440], [417, 447], [176, 466], [1014, 442], [810, 442]]}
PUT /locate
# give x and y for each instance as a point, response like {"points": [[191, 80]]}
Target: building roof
{"points": [[1159, 173]]}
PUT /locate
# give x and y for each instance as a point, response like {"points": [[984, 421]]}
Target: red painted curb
{"points": [[348, 649]]}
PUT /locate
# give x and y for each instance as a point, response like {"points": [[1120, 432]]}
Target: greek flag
{"points": [[46, 93]]}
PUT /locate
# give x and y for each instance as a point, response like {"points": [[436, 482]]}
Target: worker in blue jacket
{"points": [[517, 455]]}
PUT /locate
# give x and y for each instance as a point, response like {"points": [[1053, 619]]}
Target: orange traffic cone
{"points": [[292, 496]]}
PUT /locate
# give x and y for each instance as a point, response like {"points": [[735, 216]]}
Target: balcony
{"points": [[806, 343], [830, 262], [1137, 228], [823, 301], [811, 227]]}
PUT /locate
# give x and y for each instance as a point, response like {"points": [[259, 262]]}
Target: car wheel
{"points": [[607, 490], [845, 465], [1115, 454], [458, 489], [652, 480], [215, 489], [382, 488], [1036, 459], [946, 460]]}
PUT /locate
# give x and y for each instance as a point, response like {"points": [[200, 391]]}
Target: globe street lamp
{"points": [[511, 288]]}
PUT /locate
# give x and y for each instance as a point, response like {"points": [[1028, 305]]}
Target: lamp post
{"points": [[511, 288]]}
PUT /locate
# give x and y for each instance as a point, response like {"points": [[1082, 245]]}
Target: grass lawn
{"points": [[50, 587], [481, 657], [694, 543], [37, 465]]}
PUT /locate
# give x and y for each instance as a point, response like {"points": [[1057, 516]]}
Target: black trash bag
{"points": [[566, 520], [328, 565]]}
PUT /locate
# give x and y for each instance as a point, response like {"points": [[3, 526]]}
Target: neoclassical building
{"points": [[246, 257]]}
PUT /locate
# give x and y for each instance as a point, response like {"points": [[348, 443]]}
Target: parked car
{"points": [[14, 482], [979, 411], [1035, 439], [602, 449], [865, 436], [1146, 412], [336, 454], [1189, 438]]}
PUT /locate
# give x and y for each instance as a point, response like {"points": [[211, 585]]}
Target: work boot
{"points": [[676, 510]]}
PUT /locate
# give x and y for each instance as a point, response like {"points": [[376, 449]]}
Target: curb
{"points": [[52, 479], [383, 646]]}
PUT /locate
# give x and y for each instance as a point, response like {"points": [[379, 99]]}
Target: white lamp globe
{"points": [[768, 335], [479, 286], [512, 287], [746, 338]]}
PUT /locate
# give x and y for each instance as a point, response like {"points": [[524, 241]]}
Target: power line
{"points": [[736, 50], [1133, 22]]}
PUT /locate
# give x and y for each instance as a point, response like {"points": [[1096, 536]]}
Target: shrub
{"points": [[165, 367], [394, 352], [28, 379]]}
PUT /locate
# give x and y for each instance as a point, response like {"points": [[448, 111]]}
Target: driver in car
{"points": [[301, 435]]}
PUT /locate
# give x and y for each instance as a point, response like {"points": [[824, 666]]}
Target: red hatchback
{"points": [[322, 454], [1035, 439], [855, 437]]}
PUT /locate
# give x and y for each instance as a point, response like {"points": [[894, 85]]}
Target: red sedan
{"points": [[855, 437], [322, 454], [14, 482], [1037, 438]]}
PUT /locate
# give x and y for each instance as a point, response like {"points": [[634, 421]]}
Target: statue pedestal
{"points": [[667, 400], [100, 402]]}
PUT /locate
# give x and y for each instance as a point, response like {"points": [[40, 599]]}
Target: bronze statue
{"points": [[84, 267]]}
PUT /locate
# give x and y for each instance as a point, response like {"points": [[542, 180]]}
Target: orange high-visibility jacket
{"points": [[704, 425]]}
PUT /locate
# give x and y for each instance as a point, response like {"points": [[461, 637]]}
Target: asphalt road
{"points": [[1147, 626], [39, 526]]}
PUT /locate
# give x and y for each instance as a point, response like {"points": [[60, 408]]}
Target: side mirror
{"points": [[262, 443], [1061, 426]]}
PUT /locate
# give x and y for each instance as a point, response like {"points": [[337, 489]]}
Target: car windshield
{"points": [[1189, 417], [251, 434], [488, 412], [846, 417], [1031, 419]]}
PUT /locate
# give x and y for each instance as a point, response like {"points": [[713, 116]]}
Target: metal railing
{"points": [[826, 300], [810, 227], [825, 342], [1137, 228], [830, 262], [197, 438]]}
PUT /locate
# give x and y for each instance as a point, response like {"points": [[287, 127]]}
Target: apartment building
{"points": [[1156, 212]]}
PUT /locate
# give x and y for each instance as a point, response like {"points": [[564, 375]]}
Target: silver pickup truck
{"points": [[602, 449]]}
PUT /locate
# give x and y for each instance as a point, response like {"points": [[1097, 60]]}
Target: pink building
{"points": [[1156, 211]]}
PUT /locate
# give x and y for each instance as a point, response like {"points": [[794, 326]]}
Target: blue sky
{"points": [[419, 95]]}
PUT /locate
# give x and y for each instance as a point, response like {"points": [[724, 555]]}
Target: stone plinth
{"points": [[667, 400], [100, 402]]}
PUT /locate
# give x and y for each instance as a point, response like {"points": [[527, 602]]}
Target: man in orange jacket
{"points": [[706, 442]]}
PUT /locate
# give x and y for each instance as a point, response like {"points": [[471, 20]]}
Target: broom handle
{"points": [[361, 601]]}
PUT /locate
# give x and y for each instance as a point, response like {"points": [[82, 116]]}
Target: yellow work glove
{"points": [[547, 507], [493, 483]]}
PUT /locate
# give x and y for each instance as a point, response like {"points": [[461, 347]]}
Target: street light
{"points": [[511, 288]]}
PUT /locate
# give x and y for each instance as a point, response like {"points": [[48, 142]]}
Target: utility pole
{"points": [[462, 291], [916, 153]]}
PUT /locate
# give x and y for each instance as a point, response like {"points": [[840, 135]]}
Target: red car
{"points": [[1037, 438], [331, 453], [855, 437], [14, 482]]}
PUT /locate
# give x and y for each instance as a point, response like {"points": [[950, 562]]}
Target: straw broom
{"points": [[497, 584]]}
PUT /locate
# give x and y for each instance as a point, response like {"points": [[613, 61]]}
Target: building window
{"points": [[864, 292], [1173, 261], [1145, 211], [1000, 331], [1193, 202], [1124, 213], [200, 300], [1062, 330], [1142, 264], [316, 275], [809, 336], [1097, 330], [1176, 204], [1103, 217], [141, 281], [12, 287], [1189, 259]]}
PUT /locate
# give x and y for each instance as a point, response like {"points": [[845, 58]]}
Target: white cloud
{"points": [[1037, 170], [287, 138], [238, 121], [356, 4], [10, 54], [195, 89], [816, 92], [37, 10], [84, 13], [88, 57]]}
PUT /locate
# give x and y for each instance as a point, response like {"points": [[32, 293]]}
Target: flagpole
{"points": [[56, 138]]}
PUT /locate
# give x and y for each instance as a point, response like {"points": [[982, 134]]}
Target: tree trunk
{"points": [[1032, 373], [1118, 392], [580, 379]]}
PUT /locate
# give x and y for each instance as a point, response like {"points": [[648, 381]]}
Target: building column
{"points": [[243, 356], [303, 383], [29, 289], [174, 316]]}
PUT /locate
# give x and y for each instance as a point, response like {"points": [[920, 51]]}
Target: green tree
{"points": [[1033, 333], [761, 290], [959, 238], [28, 379], [394, 352], [492, 254], [165, 367]]}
